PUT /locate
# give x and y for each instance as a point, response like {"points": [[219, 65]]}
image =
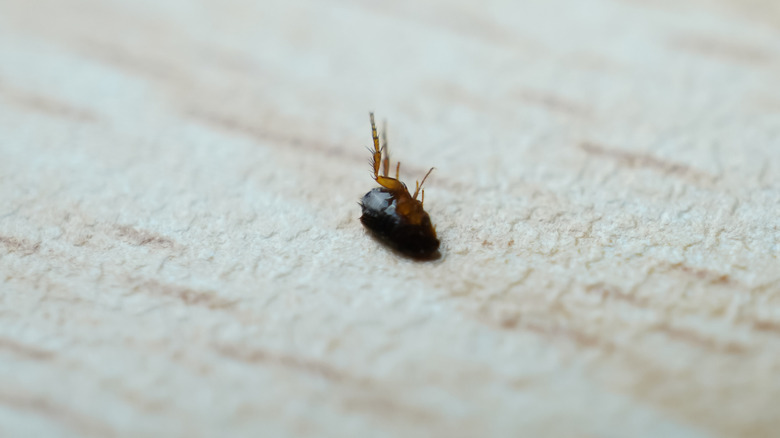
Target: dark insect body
{"points": [[392, 214]]}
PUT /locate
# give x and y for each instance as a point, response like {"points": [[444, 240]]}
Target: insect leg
{"points": [[386, 160], [377, 151], [419, 185]]}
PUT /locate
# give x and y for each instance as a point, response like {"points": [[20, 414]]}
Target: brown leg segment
{"points": [[386, 160], [419, 185], [377, 150], [385, 181]]}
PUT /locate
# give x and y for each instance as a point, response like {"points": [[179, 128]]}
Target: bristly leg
{"points": [[377, 151], [386, 160], [376, 162]]}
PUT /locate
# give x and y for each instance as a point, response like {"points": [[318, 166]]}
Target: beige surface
{"points": [[180, 253]]}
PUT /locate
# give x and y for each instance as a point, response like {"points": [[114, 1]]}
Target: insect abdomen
{"points": [[382, 219]]}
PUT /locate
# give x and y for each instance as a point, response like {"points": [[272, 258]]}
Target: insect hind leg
{"points": [[377, 158], [385, 150]]}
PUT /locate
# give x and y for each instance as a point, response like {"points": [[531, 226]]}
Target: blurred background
{"points": [[180, 252]]}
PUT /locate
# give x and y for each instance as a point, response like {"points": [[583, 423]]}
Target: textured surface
{"points": [[180, 253]]}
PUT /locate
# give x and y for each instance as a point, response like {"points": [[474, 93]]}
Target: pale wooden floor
{"points": [[180, 253]]}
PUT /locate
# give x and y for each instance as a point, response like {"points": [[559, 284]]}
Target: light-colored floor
{"points": [[180, 250]]}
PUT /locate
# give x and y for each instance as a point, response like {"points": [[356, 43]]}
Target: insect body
{"points": [[391, 213]]}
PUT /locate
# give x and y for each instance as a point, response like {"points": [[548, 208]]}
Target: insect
{"points": [[391, 213]]}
